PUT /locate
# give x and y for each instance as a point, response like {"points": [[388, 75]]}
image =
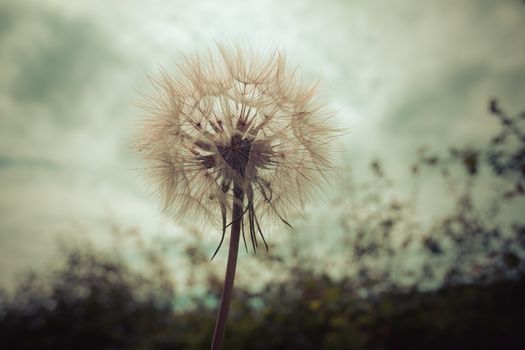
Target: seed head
{"points": [[233, 121]]}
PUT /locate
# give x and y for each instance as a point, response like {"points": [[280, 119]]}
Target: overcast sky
{"points": [[399, 76]]}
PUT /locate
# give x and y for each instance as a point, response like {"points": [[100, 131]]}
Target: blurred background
{"points": [[420, 239]]}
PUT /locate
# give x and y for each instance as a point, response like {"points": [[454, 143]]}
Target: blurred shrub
{"points": [[475, 234], [92, 302], [95, 303]]}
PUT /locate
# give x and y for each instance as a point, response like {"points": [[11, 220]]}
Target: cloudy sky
{"points": [[398, 73]]}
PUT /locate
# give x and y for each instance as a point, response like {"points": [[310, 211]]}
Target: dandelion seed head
{"points": [[229, 120]]}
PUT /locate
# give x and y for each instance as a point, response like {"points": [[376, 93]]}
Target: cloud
{"points": [[53, 69], [61, 134], [6, 162], [48, 58]]}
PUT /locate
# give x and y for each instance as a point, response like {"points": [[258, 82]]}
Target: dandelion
{"points": [[237, 139]]}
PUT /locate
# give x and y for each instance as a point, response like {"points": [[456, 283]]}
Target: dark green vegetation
{"points": [[456, 281]]}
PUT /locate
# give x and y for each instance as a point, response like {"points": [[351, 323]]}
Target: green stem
{"points": [[229, 278]]}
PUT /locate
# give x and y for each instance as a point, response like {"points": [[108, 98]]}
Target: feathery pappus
{"points": [[236, 127]]}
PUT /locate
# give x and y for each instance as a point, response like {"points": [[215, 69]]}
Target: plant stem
{"points": [[229, 278]]}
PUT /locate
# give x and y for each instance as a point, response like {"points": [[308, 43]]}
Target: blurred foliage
{"points": [[395, 281], [478, 239]]}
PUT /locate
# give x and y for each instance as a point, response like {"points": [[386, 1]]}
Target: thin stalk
{"points": [[229, 278]]}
